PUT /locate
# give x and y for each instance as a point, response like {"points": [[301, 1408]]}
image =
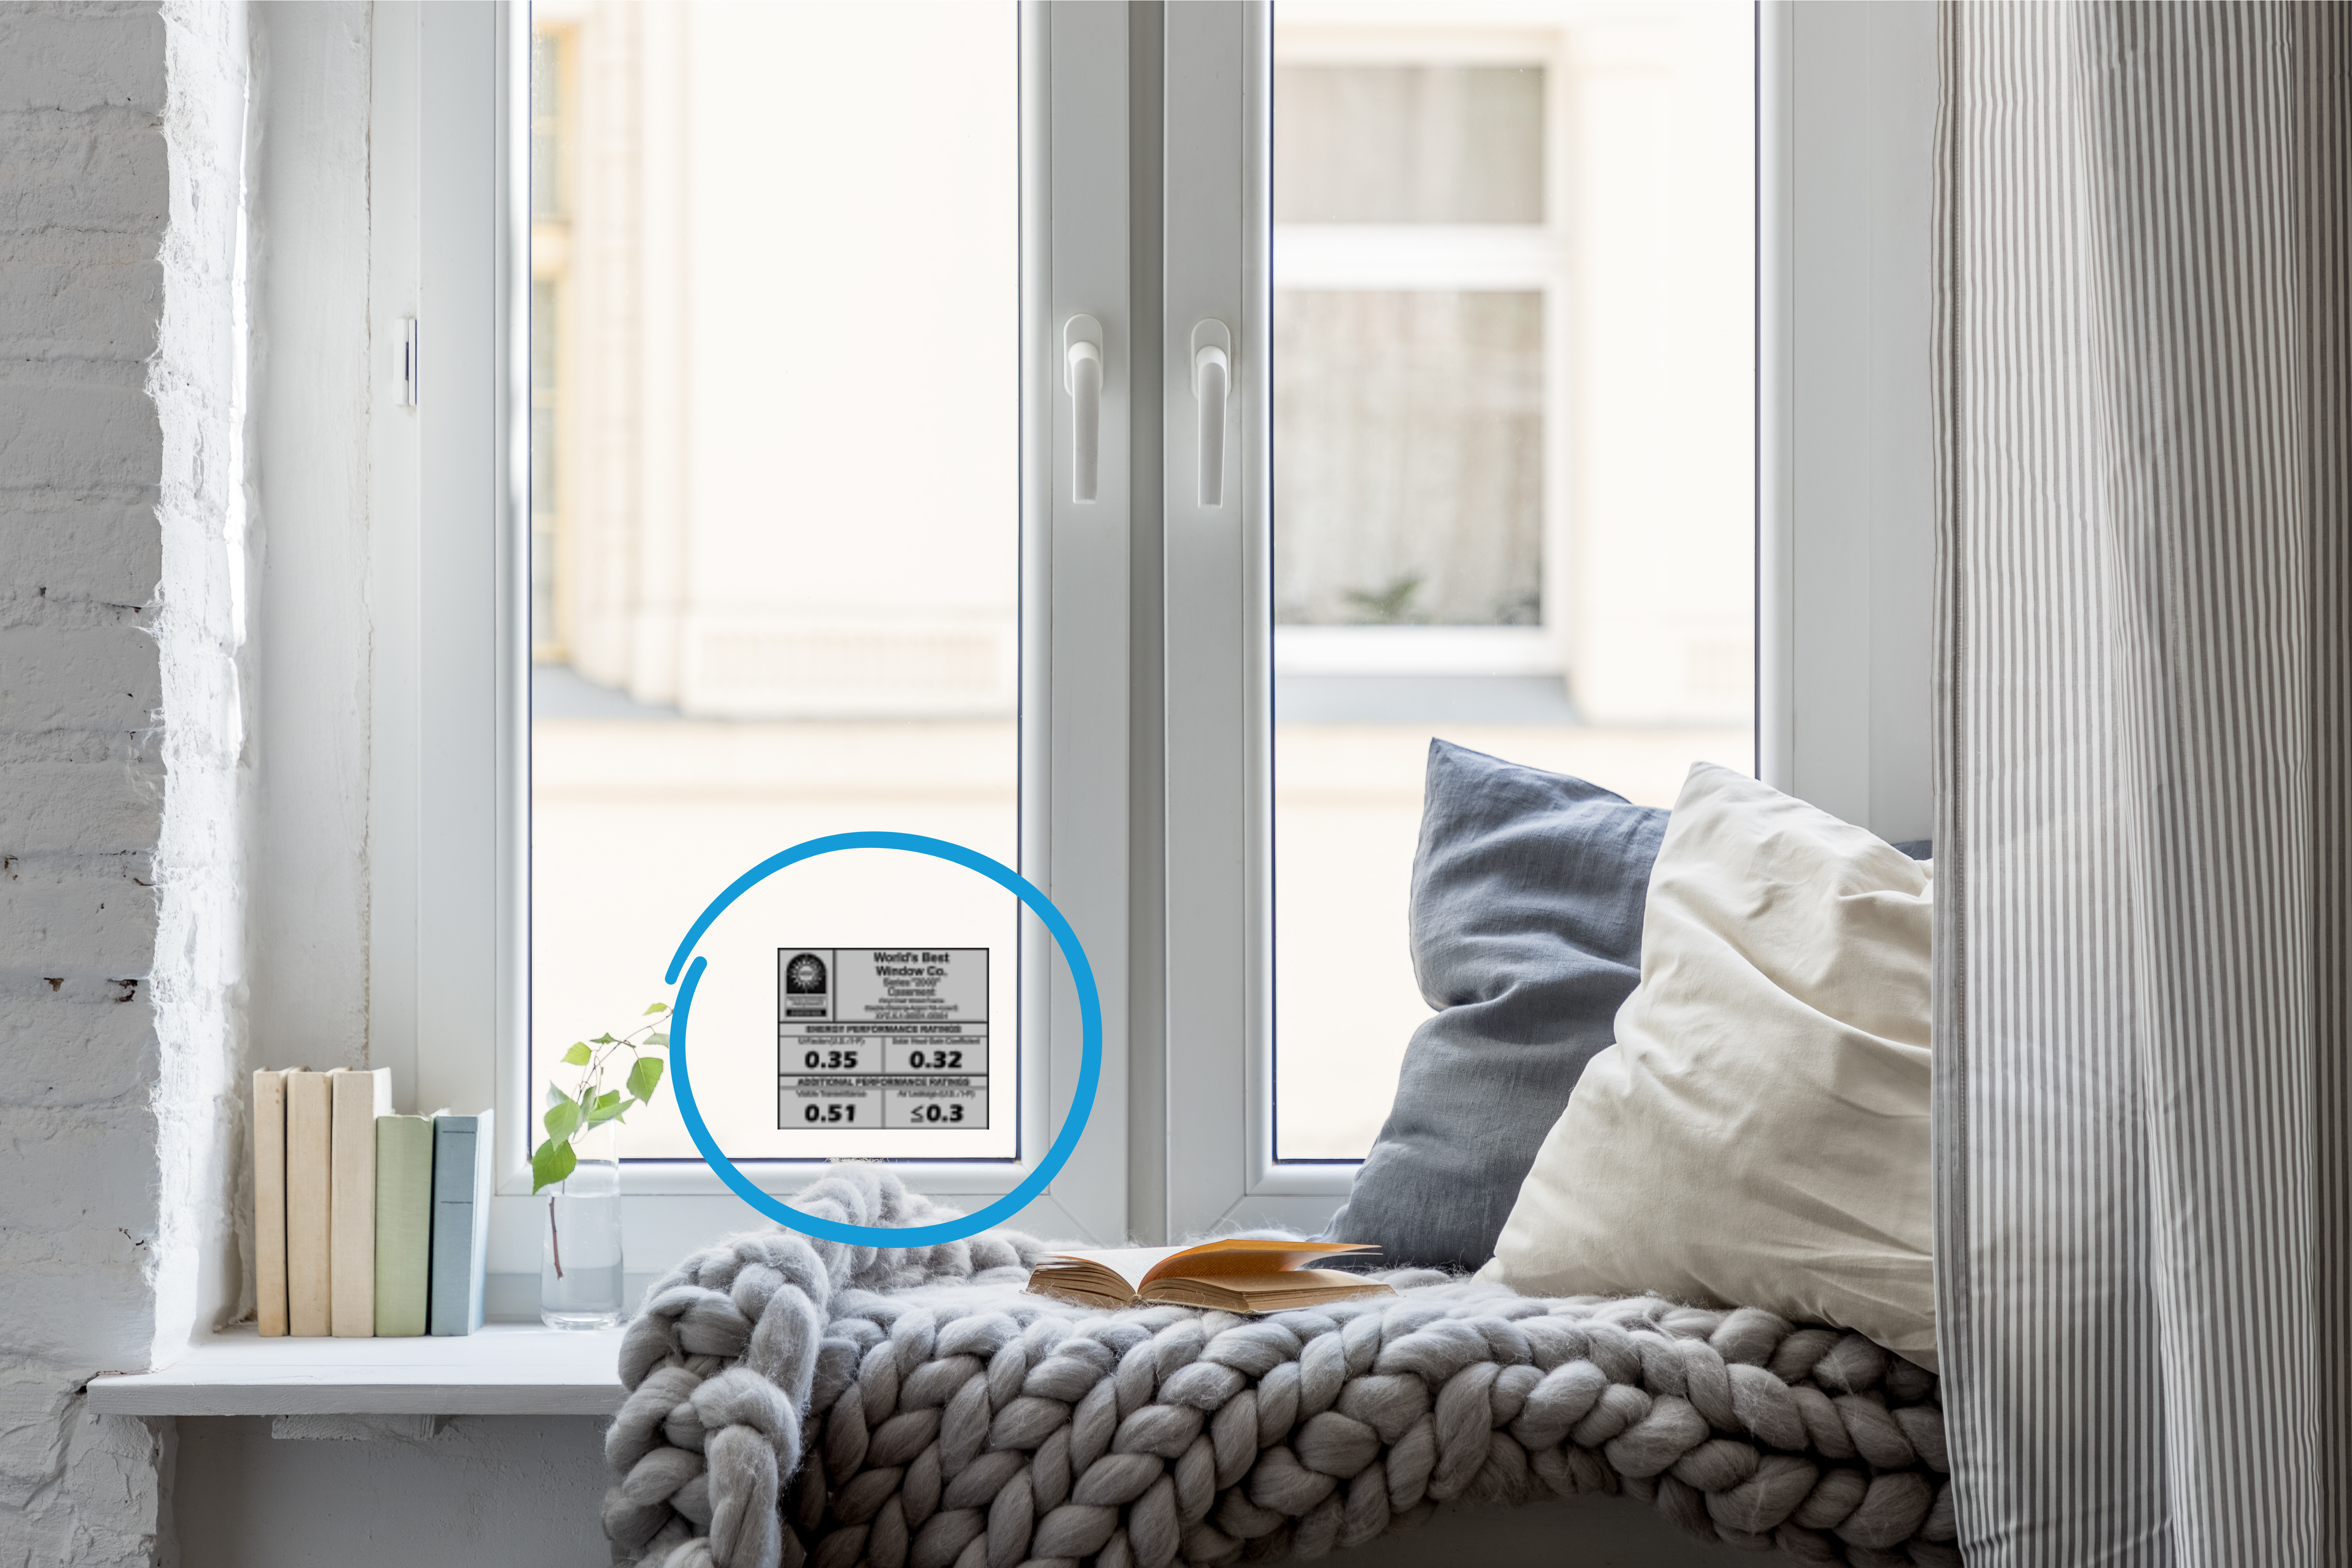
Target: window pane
{"points": [[1409, 143], [784, 574], [1513, 458], [1411, 486]]}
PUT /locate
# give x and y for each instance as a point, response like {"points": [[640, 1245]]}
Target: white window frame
{"points": [[1146, 800], [1844, 539], [449, 1003]]}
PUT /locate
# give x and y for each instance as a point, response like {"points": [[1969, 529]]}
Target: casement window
{"points": [[1113, 437], [1493, 518]]}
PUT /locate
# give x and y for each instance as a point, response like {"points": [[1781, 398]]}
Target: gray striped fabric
{"points": [[2143, 1098]]}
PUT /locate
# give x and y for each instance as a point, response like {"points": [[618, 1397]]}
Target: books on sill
{"points": [[365, 1223]]}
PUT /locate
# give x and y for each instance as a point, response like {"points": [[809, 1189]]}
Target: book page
{"points": [[1245, 1256], [1130, 1263]]}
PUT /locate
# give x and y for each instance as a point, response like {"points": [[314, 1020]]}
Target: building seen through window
{"points": [[775, 562]]}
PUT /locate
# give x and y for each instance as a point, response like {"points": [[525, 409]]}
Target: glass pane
{"points": [[1409, 143], [776, 565], [1513, 459], [1411, 485]]}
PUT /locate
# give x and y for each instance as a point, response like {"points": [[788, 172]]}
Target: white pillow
{"points": [[1758, 1135]]}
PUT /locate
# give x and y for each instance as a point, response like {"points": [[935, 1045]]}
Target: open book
{"points": [[1232, 1275]]}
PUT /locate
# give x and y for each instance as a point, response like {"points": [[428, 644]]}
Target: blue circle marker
{"points": [[1082, 1103]]}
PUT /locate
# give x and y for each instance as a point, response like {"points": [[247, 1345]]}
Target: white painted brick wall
{"points": [[120, 141]]}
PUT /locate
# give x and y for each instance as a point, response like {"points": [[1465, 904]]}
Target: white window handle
{"points": [[1082, 378], [1212, 371]]}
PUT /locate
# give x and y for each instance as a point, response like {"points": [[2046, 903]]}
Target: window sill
{"points": [[502, 1369]]}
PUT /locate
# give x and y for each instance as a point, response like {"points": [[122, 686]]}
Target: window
{"points": [[781, 595], [1499, 518], [796, 545]]}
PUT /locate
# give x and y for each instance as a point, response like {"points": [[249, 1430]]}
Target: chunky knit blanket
{"points": [[793, 1400]]}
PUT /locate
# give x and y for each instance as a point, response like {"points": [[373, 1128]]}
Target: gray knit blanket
{"points": [[793, 1400]]}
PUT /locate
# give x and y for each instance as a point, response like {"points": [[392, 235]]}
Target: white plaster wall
{"points": [[197, 381], [119, 733], [309, 479]]}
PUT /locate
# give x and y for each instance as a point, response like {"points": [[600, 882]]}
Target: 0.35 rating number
{"points": [[840, 1060]]}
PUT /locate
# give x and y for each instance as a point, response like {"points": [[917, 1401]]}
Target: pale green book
{"points": [[403, 1222]]}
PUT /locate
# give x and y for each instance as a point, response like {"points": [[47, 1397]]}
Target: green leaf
{"points": [[644, 1077], [578, 1055], [604, 1040], [607, 1107], [563, 1121], [550, 1162], [656, 1007], [658, 1037]]}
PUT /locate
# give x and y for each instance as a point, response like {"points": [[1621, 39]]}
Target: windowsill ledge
{"points": [[501, 1369]]}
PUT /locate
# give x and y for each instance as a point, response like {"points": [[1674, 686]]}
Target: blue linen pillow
{"points": [[1527, 893]]}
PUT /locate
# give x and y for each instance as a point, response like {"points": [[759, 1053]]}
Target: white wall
{"points": [[120, 729], [308, 479]]}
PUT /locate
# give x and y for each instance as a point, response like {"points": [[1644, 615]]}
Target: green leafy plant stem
{"points": [[591, 1104]]}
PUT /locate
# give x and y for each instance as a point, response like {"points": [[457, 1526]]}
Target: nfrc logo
{"points": [[804, 975]]}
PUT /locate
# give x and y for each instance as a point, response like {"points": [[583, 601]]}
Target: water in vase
{"points": [[579, 1248]]}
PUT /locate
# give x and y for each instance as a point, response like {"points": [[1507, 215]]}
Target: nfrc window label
{"points": [[894, 1037]]}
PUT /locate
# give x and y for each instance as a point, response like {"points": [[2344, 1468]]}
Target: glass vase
{"points": [[580, 1238]]}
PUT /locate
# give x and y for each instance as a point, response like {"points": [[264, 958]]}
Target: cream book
{"points": [[310, 1112], [360, 1097], [1231, 1275], [269, 1200]]}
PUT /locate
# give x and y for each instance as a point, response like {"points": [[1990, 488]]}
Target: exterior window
{"points": [[1513, 458], [776, 571]]}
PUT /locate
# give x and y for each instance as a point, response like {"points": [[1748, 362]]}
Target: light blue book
{"points": [[462, 1147]]}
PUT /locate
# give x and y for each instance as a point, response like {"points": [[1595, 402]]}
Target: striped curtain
{"points": [[2143, 1097]]}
